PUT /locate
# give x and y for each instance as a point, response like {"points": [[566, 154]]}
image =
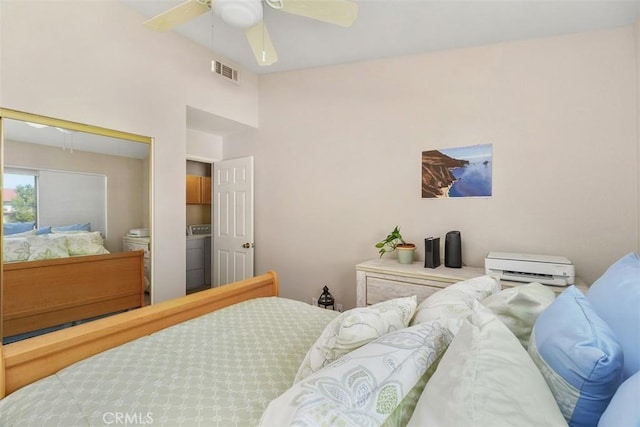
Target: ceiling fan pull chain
{"points": [[276, 4], [264, 53], [213, 32]]}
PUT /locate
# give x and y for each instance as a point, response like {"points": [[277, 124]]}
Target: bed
{"points": [[53, 279], [471, 354]]}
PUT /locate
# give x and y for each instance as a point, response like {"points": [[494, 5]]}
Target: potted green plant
{"points": [[394, 241]]}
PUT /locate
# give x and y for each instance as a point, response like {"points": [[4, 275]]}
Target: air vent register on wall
{"points": [[225, 71], [545, 269]]}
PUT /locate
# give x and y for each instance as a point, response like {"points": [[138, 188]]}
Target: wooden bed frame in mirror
{"points": [[42, 294], [26, 361]]}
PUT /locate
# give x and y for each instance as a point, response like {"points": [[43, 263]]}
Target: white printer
{"points": [[545, 269], [138, 232]]}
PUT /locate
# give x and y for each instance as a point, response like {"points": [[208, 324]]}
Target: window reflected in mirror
{"points": [[19, 207], [36, 200]]}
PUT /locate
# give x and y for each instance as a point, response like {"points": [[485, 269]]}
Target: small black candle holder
{"points": [[326, 299]]}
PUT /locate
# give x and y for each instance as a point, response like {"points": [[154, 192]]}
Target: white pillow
{"points": [[365, 386], [85, 243], [519, 307], [355, 328], [43, 248], [455, 301], [15, 249], [486, 378]]}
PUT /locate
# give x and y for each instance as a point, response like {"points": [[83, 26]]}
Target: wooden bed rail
{"points": [[26, 361]]}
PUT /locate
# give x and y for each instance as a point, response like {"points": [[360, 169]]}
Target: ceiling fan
{"points": [[247, 15]]}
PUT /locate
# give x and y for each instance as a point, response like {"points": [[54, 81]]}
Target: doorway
{"points": [[219, 229], [198, 225]]}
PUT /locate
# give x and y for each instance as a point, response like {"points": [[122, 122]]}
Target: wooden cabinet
{"points": [[198, 190], [206, 190], [383, 279], [194, 190]]}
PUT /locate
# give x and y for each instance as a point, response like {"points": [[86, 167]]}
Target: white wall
{"points": [[94, 62], [203, 146], [337, 156]]}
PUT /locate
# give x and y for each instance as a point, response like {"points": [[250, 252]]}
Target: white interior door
{"points": [[232, 220]]}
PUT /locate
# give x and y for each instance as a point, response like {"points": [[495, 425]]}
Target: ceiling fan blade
{"points": [[338, 12], [178, 15], [261, 45]]}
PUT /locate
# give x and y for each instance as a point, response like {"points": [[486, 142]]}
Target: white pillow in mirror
{"points": [[90, 243], [453, 303], [43, 248], [81, 243], [15, 250], [355, 328]]}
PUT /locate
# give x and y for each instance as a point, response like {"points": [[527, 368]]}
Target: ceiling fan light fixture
{"points": [[239, 13]]}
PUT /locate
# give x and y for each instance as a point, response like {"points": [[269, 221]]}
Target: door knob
{"points": [[248, 245]]}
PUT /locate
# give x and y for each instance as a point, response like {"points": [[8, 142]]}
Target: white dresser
{"points": [[382, 279], [130, 243]]}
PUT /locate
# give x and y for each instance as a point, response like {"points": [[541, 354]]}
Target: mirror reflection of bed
{"points": [[71, 195]]}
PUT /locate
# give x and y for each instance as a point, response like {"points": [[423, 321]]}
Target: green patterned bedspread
{"points": [[221, 369]]}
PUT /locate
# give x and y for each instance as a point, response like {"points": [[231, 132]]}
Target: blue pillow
{"points": [[9, 228], [72, 227], [624, 409], [579, 357], [615, 296], [43, 230]]}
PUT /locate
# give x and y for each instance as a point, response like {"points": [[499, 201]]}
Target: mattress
{"points": [[221, 369]]}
